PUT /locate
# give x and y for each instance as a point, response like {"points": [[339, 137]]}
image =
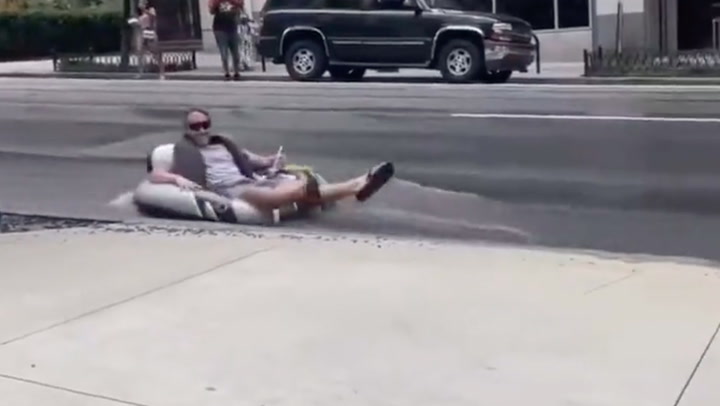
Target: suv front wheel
{"points": [[305, 60], [460, 61]]}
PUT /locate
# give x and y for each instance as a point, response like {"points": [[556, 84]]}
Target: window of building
{"points": [[343, 4], [465, 5], [390, 5], [285, 4], [573, 13], [539, 13]]}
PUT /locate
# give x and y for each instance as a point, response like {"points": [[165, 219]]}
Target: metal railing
{"points": [[619, 27], [537, 53], [649, 62], [90, 61]]}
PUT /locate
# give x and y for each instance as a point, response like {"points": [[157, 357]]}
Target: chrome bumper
{"points": [[508, 56]]}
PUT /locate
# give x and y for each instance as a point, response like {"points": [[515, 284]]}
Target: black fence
{"points": [[90, 62], [629, 62]]}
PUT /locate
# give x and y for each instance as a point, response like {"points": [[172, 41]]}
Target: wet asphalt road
{"points": [[644, 185]]}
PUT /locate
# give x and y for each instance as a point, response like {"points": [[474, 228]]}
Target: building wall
{"points": [[255, 6], [671, 24], [661, 32], [636, 31], [605, 7], [564, 45], [206, 20]]}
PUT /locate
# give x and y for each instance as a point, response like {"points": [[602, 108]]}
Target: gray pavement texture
{"points": [[644, 185], [146, 316]]}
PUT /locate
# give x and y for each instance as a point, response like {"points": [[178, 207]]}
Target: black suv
{"points": [[346, 37]]}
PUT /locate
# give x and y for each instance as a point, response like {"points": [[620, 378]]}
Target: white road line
{"points": [[588, 117]]}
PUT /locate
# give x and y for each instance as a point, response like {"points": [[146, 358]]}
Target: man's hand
{"points": [[161, 176], [186, 184], [264, 162], [278, 161]]}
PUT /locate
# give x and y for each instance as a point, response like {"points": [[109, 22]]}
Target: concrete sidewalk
{"points": [[209, 65], [209, 70], [136, 316]]}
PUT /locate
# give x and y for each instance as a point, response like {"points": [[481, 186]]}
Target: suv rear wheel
{"points": [[460, 61], [305, 60]]}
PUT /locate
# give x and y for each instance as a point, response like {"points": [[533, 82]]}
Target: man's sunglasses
{"points": [[202, 125]]}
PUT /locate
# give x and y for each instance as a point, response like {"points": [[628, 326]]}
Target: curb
{"points": [[668, 81], [132, 76], [632, 80]]}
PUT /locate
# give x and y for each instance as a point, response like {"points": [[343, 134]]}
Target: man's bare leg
{"points": [[291, 191], [333, 192]]}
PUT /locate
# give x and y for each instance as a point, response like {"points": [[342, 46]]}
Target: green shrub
{"points": [[37, 34]]}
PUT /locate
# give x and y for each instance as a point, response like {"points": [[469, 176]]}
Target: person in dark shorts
{"points": [[225, 27]]}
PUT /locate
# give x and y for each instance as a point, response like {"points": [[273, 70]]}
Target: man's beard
{"points": [[200, 138]]}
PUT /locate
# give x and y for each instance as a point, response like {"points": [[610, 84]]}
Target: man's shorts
{"points": [[236, 191]]}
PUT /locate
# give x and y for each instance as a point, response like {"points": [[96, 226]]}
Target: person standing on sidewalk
{"points": [[146, 39], [225, 27]]}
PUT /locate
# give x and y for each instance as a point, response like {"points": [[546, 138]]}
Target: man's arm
{"points": [[160, 176], [259, 162], [159, 167]]}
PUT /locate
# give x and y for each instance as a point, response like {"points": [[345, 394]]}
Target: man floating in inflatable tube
{"points": [[207, 176]]}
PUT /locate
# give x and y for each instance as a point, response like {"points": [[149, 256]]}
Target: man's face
{"points": [[198, 127]]}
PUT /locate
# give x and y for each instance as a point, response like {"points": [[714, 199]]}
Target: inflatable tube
{"points": [[170, 201]]}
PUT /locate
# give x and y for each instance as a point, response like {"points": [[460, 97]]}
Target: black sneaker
{"points": [[227, 76], [236, 77]]}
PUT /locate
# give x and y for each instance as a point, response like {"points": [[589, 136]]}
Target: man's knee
{"points": [[277, 194]]}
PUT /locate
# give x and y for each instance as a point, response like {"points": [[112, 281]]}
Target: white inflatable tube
{"points": [[170, 201]]}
